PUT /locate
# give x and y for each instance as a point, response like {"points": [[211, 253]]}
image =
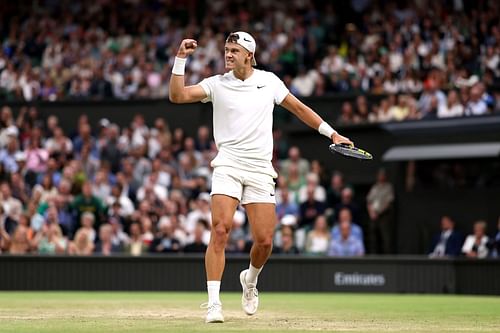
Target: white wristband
{"points": [[326, 130], [179, 66]]}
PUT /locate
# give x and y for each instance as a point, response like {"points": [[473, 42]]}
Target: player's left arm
{"points": [[312, 119]]}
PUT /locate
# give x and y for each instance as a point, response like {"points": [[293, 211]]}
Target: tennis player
{"points": [[243, 100]]}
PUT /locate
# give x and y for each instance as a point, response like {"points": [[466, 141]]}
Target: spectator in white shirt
{"points": [[476, 105], [452, 108], [305, 82], [475, 245]]}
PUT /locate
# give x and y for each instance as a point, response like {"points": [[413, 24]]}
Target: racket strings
{"points": [[351, 151]]}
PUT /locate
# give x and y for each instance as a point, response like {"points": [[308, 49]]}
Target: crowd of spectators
{"points": [[138, 189], [450, 242], [53, 50], [145, 189]]}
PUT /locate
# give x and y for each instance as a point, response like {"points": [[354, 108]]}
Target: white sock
{"points": [[213, 288], [252, 275]]}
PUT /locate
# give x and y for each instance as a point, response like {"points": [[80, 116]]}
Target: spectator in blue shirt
{"points": [[347, 245], [346, 216], [286, 206]]}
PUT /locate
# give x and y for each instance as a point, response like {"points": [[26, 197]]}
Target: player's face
{"points": [[236, 56]]}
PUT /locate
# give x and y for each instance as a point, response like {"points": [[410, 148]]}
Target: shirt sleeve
{"points": [[280, 90], [208, 85]]}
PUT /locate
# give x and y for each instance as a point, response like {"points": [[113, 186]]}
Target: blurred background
{"points": [[94, 159]]}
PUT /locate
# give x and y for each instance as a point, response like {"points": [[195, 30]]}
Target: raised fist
{"points": [[187, 47]]}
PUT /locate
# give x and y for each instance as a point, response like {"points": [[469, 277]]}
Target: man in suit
{"points": [[448, 243]]}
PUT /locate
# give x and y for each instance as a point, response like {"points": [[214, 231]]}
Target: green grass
{"points": [[279, 312]]}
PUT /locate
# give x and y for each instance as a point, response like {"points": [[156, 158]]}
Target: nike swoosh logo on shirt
{"points": [[258, 87]]}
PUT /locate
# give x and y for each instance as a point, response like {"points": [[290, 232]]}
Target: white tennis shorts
{"points": [[246, 186]]}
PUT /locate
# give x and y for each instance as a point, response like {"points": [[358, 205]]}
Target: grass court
{"points": [[279, 312]]}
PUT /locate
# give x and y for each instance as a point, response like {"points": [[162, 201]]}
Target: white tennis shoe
{"points": [[250, 297], [214, 313]]}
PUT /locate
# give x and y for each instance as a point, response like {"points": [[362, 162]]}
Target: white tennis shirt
{"points": [[243, 118]]}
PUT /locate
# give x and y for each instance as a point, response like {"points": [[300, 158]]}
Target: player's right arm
{"points": [[178, 92]]}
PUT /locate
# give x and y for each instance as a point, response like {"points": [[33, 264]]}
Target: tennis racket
{"points": [[350, 151]]}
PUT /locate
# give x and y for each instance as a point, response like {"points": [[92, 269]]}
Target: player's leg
{"points": [[262, 219], [223, 208], [226, 193]]}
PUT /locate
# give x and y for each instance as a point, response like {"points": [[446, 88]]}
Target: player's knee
{"points": [[219, 235], [264, 242]]}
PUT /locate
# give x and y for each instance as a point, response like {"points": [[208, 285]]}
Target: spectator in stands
{"points": [[51, 240], [87, 202], [9, 154], [164, 241], [81, 245], [347, 245], [452, 108], [304, 84], [384, 111], [318, 239], [312, 181], [101, 188], [126, 206], [198, 245], [286, 206], [59, 143], [294, 158], [105, 244], [476, 106], [12, 207], [431, 92], [193, 155], [294, 181], [334, 191], [4, 235], [36, 156], [203, 141], [495, 244], [379, 205], [287, 242], [401, 110], [202, 211], [448, 243], [432, 111], [237, 238], [46, 188], [110, 151], [135, 246], [347, 116], [87, 221], [187, 174], [475, 245], [85, 138], [90, 164], [347, 201], [119, 237], [345, 216], [19, 188], [19, 242], [310, 209]]}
